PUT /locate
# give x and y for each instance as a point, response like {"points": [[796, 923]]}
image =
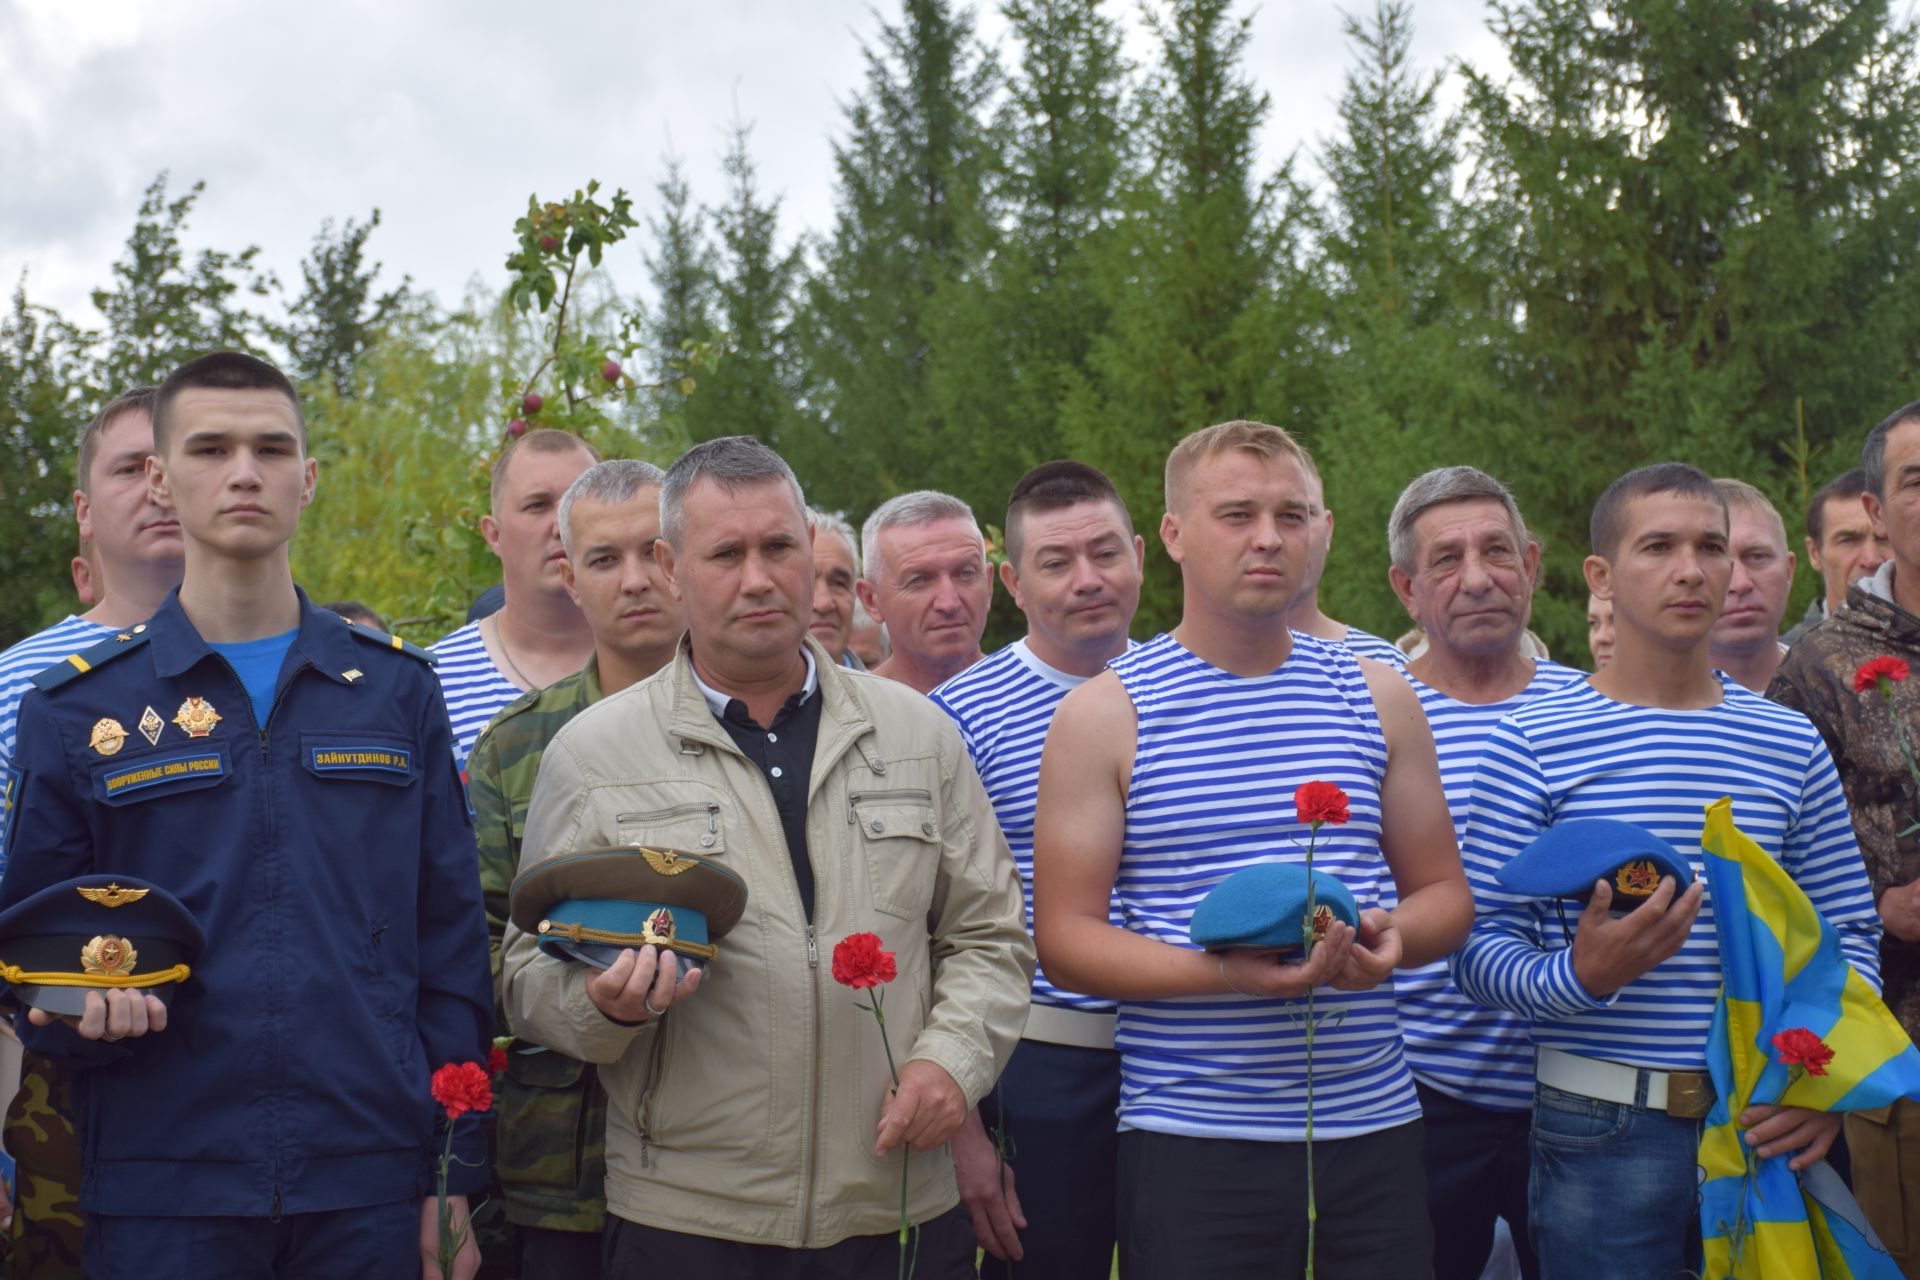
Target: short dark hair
{"points": [[221, 371], [1609, 522], [1873, 454], [354, 611], [545, 440], [138, 399], [1848, 484], [1054, 486]]}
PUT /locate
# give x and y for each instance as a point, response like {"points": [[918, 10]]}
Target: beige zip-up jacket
{"points": [[749, 1112]]}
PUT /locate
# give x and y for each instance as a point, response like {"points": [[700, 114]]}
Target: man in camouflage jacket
{"points": [[1881, 619], [552, 1113]]}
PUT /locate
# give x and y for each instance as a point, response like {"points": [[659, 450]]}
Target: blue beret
{"points": [[1564, 860], [1265, 908], [94, 933], [593, 904]]}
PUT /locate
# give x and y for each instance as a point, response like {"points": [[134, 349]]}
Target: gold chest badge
{"points": [[108, 736], [197, 717], [108, 954]]}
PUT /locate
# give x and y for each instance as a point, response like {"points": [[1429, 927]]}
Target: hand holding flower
{"points": [[924, 1111], [1374, 955]]}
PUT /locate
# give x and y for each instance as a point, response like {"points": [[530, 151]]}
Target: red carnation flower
{"points": [[1799, 1047], [1318, 802], [859, 962], [496, 1060], [1872, 672], [460, 1087]]}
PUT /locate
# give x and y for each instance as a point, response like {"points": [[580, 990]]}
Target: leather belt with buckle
{"points": [[1685, 1095]]}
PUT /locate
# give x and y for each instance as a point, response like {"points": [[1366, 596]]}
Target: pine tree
{"points": [[680, 269], [1414, 323], [1210, 309], [1720, 213], [909, 222], [754, 388]]}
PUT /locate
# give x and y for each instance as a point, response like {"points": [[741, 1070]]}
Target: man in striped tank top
{"points": [[1463, 565], [538, 635], [1621, 1004], [1166, 774], [1073, 567]]}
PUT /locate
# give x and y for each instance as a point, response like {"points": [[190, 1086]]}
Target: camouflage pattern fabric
{"points": [[551, 1113], [1816, 679], [39, 1133]]}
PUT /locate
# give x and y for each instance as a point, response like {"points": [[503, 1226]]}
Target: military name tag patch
{"points": [[164, 772], [342, 759]]}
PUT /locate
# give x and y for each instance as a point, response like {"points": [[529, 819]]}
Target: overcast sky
{"points": [[447, 115]]}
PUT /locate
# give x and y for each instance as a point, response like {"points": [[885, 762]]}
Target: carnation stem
{"points": [[1313, 1210], [881, 1018], [449, 1241]]}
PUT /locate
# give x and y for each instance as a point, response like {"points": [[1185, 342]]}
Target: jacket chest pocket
{"points": [[899, 835], [693, 827], [158, 774], [360, 757]]}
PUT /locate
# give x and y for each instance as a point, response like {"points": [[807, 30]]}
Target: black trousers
{"points": [[633, 1252], [546, 1254], [380, 1242], [1056, 1104], [1477, 1163], [1228, 1209]]}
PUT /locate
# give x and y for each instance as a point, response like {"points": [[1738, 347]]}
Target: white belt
{"points": [[1688, 1092], [1080, 1028]]}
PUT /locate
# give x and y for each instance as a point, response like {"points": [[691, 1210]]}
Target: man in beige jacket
{"points": [[752, 1129]]}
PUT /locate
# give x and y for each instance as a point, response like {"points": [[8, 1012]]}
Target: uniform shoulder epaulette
{"points": [[75, 665], [381, 639]]}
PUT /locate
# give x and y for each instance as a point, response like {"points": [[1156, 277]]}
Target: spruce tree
{"points": [[337, 316], [680, 269], [1720, 211], [754, 388], [909, 221], [1200, 276]]}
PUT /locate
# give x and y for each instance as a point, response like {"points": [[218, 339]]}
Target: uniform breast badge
{"points": [[108, 954], [150, 726], [108, 736], [197, 717]]}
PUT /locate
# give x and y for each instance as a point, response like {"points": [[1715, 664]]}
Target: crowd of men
{"points": [[692, 659]]}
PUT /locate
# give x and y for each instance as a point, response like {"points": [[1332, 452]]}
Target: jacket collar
{"points": [[325, 641], [844, 718]]}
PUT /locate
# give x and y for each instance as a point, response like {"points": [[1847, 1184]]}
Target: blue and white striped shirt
{"points": [[1479, 1055], [473, 686], [1579, 754], [20, 664], [1216, 763], [1003, 705], [1369, 645]]}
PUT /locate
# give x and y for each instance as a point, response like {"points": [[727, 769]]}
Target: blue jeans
{"points": [[1614, 1192]]}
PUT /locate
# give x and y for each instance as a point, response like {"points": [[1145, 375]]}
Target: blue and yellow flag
{"points": [[1781, 968]]}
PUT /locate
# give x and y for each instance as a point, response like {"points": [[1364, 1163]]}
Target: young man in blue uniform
{"points": [[289, 777]]}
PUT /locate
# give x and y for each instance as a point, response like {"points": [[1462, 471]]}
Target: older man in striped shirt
{"points": [[1620, 1005], [1463, 565]]}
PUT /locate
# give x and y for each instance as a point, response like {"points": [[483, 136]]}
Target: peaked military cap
{"points": [[592, 905], [95, 933], [1265, 907], [1564, 860]]}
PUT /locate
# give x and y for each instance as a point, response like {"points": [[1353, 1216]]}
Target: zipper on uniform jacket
{"points": [[711, 809]]}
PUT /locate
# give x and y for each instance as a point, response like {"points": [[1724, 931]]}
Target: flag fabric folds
{"points": [[1782, 968]]}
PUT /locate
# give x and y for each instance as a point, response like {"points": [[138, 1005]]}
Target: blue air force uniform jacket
{"points": [[328, 855]]}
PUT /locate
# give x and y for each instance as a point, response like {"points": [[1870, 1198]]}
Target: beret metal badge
{"points": [[108, 954]]}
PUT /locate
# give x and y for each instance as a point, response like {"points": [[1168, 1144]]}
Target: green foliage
{"points": [[163, 309], [1673, 231], [337, 318], [45, 397]]}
